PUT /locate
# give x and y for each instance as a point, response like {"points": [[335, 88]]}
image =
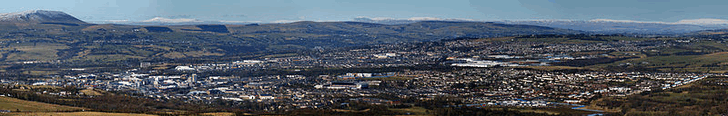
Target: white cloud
{"points": [[703, 21], [621, 21], [167, 20]]}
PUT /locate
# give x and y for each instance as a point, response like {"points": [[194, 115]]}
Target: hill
{"points": [[715, 34], [13, 104], [44, 109], [598, 26], [612, 27], [78, 114], [420, 31], [40, 16], [69, 40]]}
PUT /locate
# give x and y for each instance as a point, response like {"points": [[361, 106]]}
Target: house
{"points": [[572, 101], [247, 96], [265, 96]]}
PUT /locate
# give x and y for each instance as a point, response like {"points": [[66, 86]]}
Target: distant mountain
{"points": [[39, 16], [617, 26], [600, 26], [114, 42], [419, 31], [178, 21]]}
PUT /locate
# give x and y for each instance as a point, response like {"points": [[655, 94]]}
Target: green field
{"points": [[32, 51]]}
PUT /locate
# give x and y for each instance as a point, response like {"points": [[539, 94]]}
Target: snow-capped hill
{"points": [[685, 21], [171, 21], [39, 16], [611, 26]]}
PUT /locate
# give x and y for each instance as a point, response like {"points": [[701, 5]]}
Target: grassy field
{"points": [[33, 51], [74, 114], [32, 108], [412, 110], [91, 92], [12, 104], [218, 114]]}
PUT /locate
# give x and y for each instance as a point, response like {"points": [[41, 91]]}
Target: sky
{"points": [[265, 11]]}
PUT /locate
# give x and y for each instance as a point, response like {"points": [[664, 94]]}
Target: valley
{"points": [[353, 68]]}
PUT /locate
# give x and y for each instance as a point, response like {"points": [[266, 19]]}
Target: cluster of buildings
{"points": [[475, 86], [484, 85]]}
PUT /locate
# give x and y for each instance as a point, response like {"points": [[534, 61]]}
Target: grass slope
{"points": [[76, 114], [12, 104]]}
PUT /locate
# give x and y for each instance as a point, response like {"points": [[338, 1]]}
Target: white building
{"points": [[184, 68]]}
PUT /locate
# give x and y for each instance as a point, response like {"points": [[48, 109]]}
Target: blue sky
{"points": [[342, 10]]}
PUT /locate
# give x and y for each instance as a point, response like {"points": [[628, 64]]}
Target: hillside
{"points": [[718, 33], [71, 40], [40, 16], [425, 30], [44, 109], [600, 26], [14, 105], [611, 27]]}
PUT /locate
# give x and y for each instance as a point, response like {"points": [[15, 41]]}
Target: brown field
{"points": [[12, 104], [218, 114], [74, 114], [91, 92], [32, 108]]}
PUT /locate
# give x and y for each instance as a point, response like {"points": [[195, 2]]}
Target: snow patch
{"points": [[703, 21], [684, 21], [33, 15], [365, 18], [168, 20]]}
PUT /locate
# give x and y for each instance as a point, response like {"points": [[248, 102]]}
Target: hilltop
{"points": [[598, 26], [39, 16]]}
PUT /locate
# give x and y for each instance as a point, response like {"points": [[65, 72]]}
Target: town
{"points": [[483, 86], [478, 73]]}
